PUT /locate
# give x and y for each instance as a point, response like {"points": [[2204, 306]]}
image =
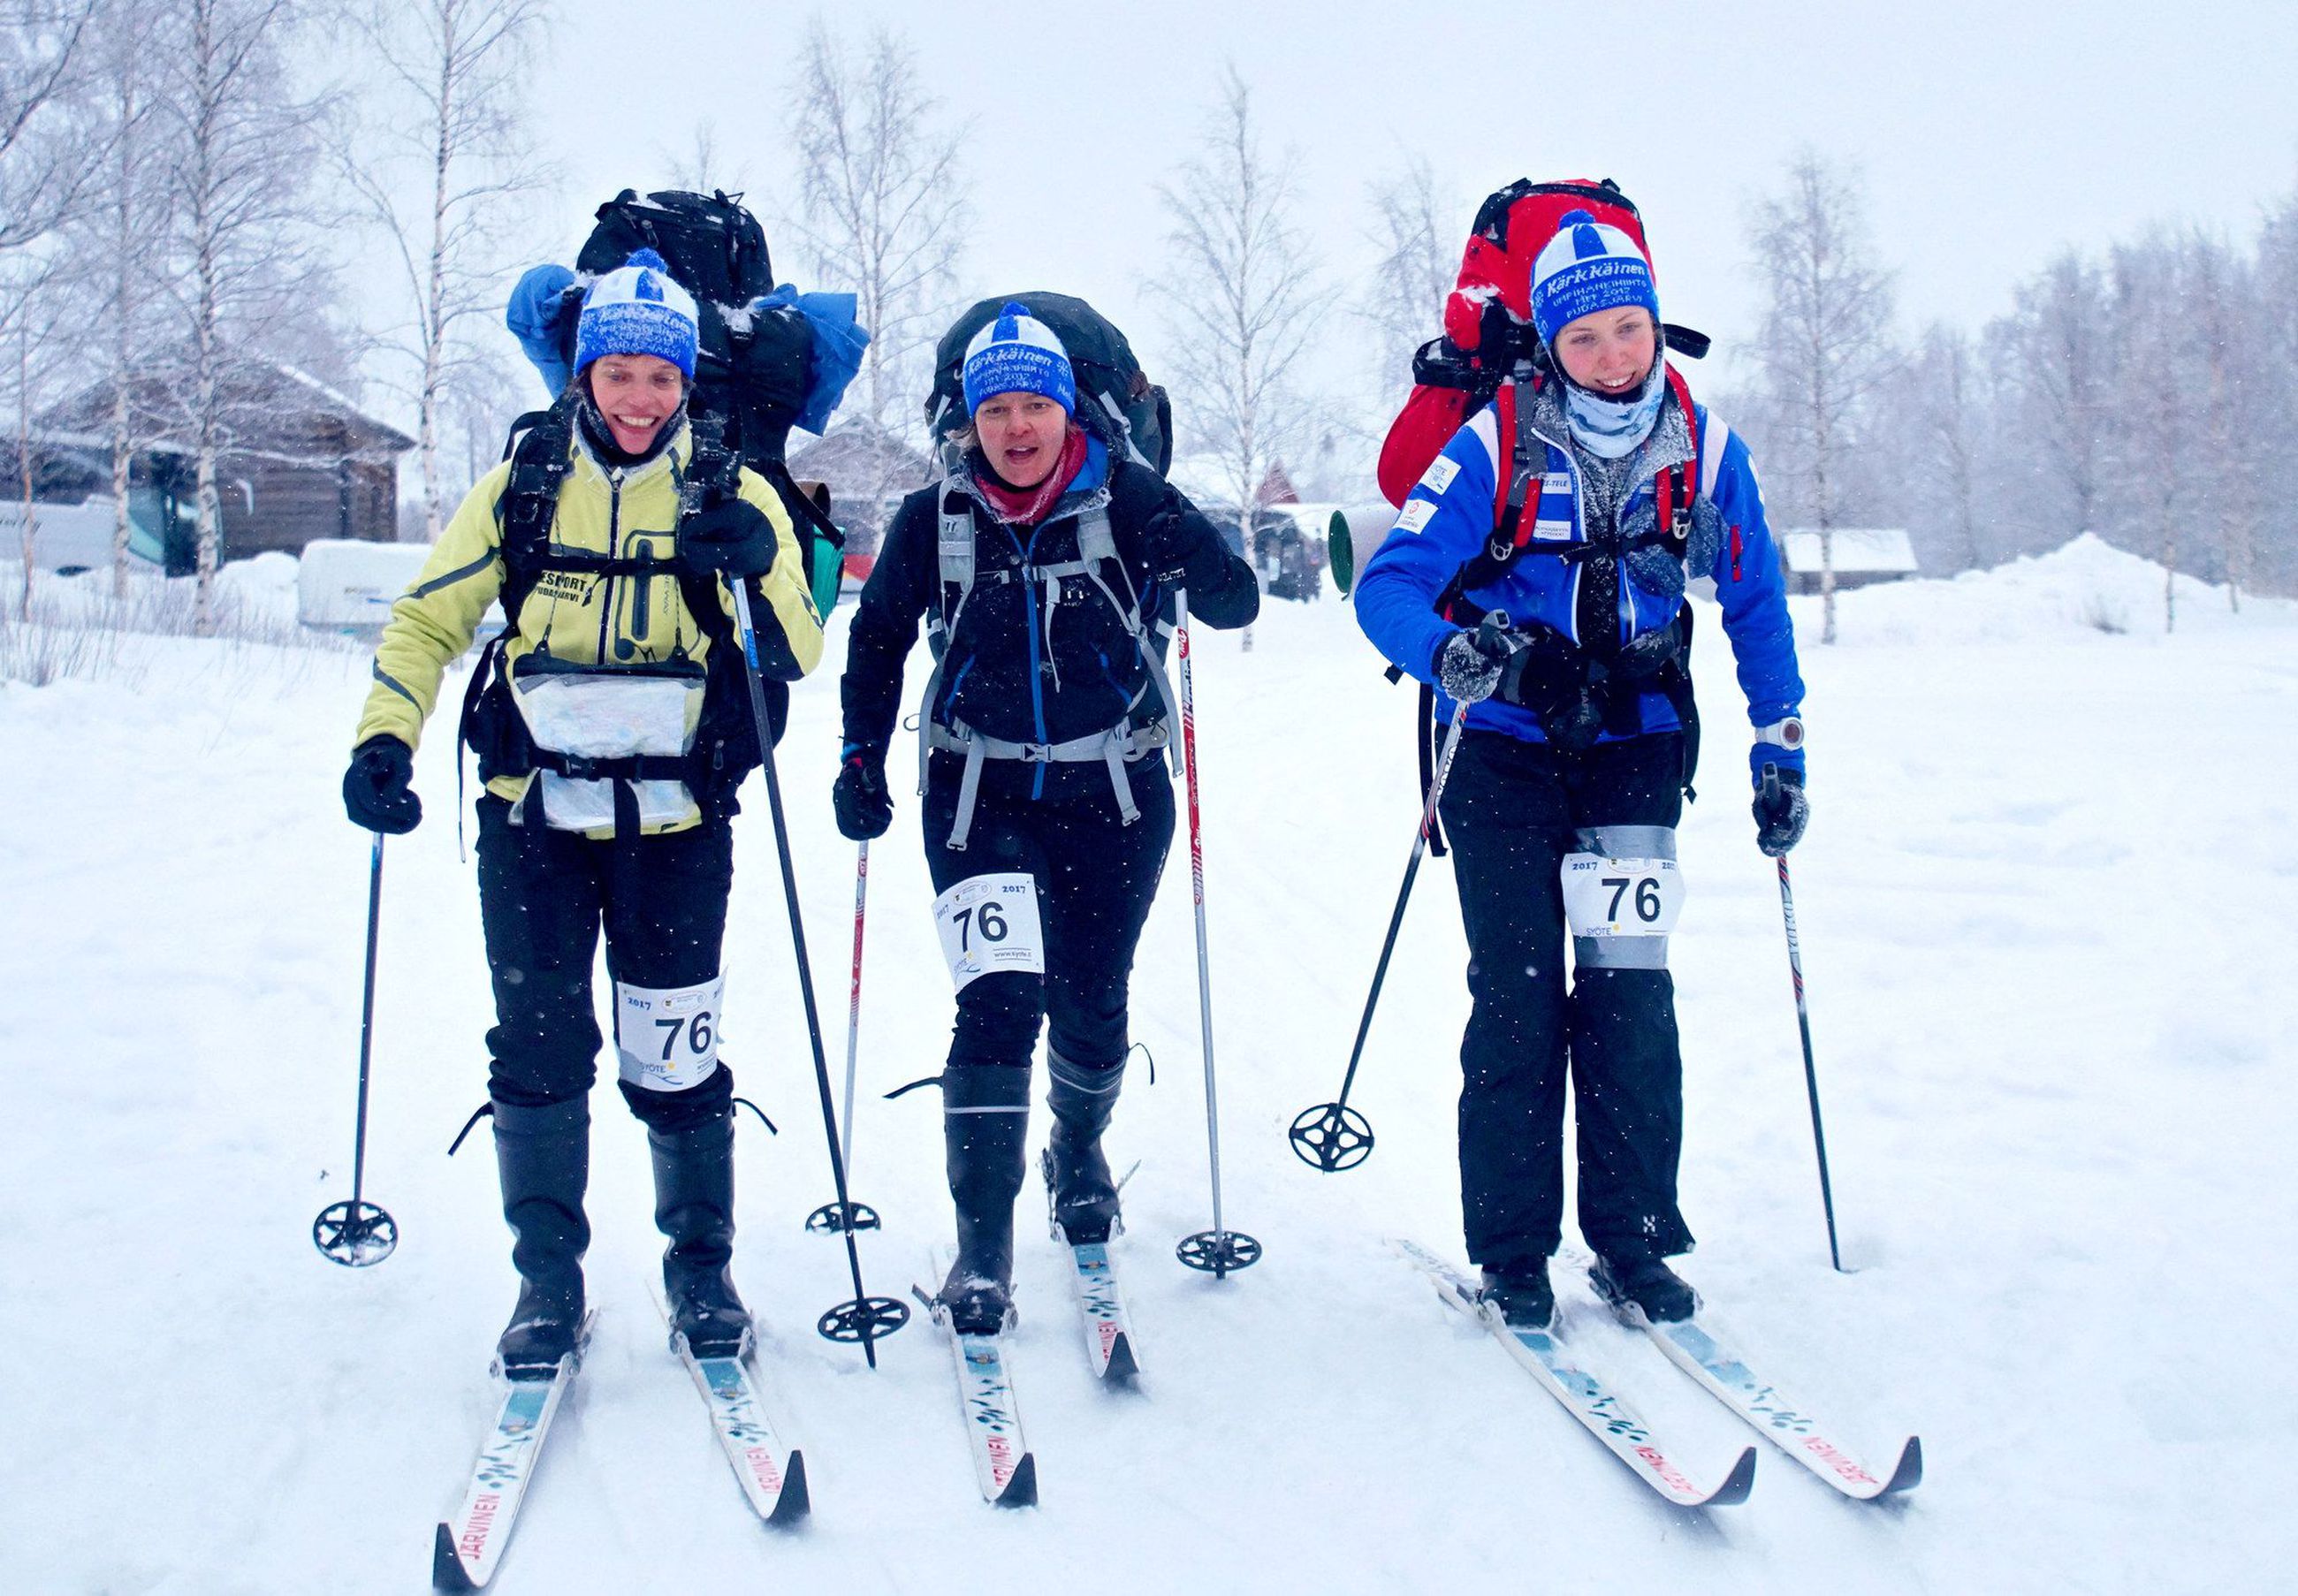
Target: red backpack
{"points": [[1488, 320]]}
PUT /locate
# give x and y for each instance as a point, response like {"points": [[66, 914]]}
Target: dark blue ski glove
{"points": [[865, 807], [1780, 810], [378, 794]]}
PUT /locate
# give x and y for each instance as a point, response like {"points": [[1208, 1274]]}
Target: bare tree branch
{"points": [[1824, 350], [438, 162], [882, 210], [1239, 297]]}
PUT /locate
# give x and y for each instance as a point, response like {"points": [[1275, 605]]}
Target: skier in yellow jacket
{"points": [[613, 726]]}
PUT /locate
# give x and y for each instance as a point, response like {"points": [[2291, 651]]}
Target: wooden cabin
{"points": [[301, 463]]}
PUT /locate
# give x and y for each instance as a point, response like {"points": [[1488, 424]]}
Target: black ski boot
{"points": [[694, 1206], [1521, 1291], [544, 1157], [1084, 1197], [1646, 1284], [985, 1125]]}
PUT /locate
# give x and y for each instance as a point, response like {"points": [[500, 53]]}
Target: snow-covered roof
{"points": [[1881, 550]]}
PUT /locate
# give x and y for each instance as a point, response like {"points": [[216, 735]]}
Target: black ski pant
{"points": [[1510, 808], [1096, 878], [544, 896]]}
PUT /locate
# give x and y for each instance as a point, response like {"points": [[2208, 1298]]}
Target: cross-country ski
{"points": [[1004, 1467], [772, 1471], [470, 1543], [1692, 1346], [1599, 1408]]}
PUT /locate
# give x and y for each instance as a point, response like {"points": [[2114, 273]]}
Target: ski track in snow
{"points": [[2046, 906]]}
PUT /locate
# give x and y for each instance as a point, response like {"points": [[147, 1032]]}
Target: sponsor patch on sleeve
{"points": [[1417, 514], [1440, 475]]}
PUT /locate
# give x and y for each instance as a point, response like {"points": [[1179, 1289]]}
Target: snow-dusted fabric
{"points": [[1017, 353], [1449, 517], [1586, 267], [1612, 429], [637, 309]]}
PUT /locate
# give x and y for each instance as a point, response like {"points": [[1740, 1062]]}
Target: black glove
{"points": [[732, 539], [1468, 664], [377, 791], [1167, 543], [1780, 810], [864, 808]]}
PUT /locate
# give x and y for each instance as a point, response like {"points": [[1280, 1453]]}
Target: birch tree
{"points": [[1824, 347], [2227, 334], [882, 213], [2155, 441], [243, 221], [1420, 243], [704, 165], [440, 161], [43, 310], [122, 238], [1240, 299], [1947, 414], [2063, 355], [44, 159]]}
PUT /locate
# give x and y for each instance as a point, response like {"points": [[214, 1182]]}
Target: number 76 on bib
{"points": [[990, 923]]}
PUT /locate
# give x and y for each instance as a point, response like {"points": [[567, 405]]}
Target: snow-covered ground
{"points": [[2047, 901]]}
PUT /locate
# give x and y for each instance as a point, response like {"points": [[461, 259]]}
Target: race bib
{"points": [[668, 1036], [1621, 898], [989, 923]]}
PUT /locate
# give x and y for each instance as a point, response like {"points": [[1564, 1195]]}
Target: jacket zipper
{"points": [[614, 541]]}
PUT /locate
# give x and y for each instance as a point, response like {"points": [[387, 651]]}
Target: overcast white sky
{"points": [[1990, 135]]}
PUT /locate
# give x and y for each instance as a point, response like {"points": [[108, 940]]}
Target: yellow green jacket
{"points": [[586, 618]]}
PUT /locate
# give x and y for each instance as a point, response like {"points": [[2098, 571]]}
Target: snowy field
{"points": [[2048, 900]]}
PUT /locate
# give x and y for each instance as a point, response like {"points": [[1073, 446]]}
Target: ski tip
{"points": [[1736, 1485], [792, 1506], [1021, 1489], [1123, 1368], [1909, 1473], [446, 1570]]}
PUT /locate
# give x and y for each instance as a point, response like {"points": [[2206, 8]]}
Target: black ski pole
{"points": [[1220, 1249], [1803, 1023], [866, 1318], [1333, 1136], [357, 1233], [831, 1218]]}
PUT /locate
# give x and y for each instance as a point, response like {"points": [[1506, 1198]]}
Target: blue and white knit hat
{"points": [[1586, 267], [1017, 353], [637, 309]]}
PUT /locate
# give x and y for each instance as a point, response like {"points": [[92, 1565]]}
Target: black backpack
{"points": [[1131, 413], [750, 371]]}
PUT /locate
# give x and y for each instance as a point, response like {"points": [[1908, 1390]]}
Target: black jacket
{"points": [[1017, 669]]}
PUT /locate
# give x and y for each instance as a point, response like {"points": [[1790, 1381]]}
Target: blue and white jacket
{"points": [[1450, 514]]}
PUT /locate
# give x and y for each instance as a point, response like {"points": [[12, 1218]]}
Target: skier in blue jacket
{"points": [[1577, 752]]}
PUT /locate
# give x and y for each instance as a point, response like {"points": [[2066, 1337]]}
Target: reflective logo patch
{"points": [[1417, 514], [1440, 473]]}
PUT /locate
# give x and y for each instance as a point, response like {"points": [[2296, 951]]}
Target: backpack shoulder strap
{"points": [[954, 556], [1523, 462], [1680, 485], [538, 451]]}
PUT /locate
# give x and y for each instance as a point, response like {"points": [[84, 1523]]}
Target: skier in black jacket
{"points": [[1043, 567]]}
